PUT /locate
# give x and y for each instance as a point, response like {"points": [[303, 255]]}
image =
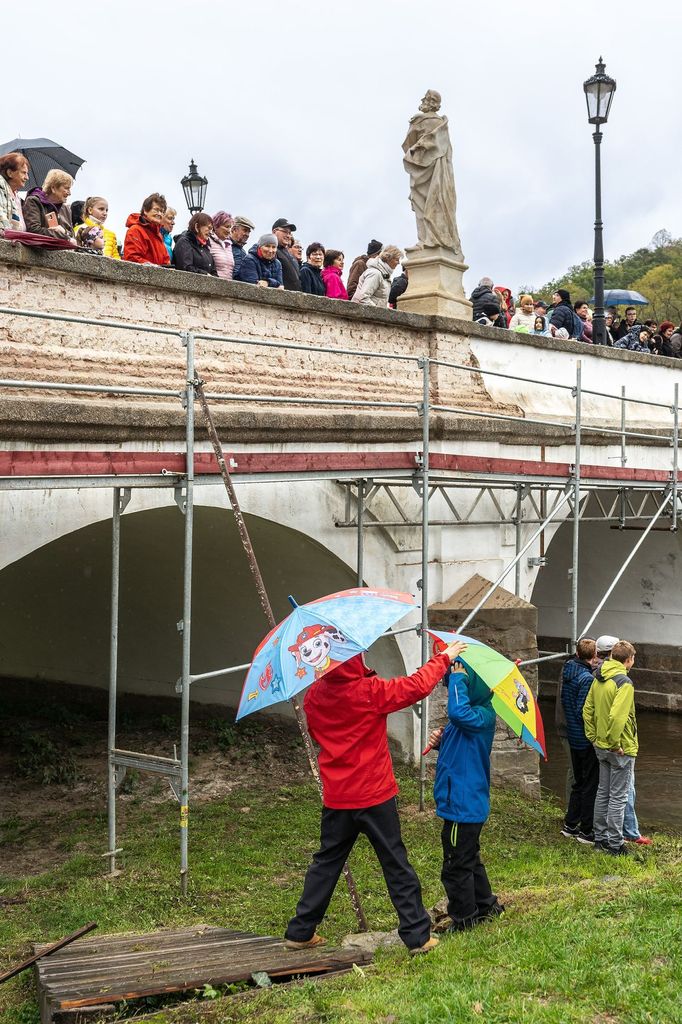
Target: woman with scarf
{"points": [[14, 172], [374, 285], [45, 209], [192, 252]]}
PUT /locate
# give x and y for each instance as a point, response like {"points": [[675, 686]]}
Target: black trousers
{"points": [[580, 813], [463, 876], [339, 831]]}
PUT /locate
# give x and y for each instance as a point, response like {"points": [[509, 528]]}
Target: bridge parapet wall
{"points": [[74, 284]]}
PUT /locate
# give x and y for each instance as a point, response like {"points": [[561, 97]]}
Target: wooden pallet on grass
{"points": [[107, 969]]}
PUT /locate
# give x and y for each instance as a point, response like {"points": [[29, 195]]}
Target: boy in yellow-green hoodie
{"points": [[611, 726]]}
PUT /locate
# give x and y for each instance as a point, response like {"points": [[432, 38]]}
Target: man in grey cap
{"points": [[239, 236], [282, 229]]}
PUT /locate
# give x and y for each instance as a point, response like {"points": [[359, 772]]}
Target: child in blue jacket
{"points": [[462, 794]]}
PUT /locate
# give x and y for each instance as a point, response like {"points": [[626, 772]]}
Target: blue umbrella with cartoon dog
{"points": [[315, 638]]}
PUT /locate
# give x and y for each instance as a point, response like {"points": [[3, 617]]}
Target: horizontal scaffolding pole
{"points": [[66, 318], [242, 668], [296, 347]]}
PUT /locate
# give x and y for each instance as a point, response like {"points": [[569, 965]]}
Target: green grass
{"points": [[585, 938]]}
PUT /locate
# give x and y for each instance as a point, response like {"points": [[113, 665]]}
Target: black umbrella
{"points": [[43, 155]]}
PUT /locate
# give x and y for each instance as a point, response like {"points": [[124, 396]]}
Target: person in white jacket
{"points": [[524, 315], [374, 285]]}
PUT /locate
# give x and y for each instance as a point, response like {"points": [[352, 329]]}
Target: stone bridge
{"points": [[501, 445]]}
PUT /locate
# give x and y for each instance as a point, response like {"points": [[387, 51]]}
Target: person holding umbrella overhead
{"points": [[347, 710]]}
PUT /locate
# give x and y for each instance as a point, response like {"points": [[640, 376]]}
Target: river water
{"points": [[658, 768]]}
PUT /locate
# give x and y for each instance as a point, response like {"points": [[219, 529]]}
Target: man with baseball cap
{"points": [[239, 236], [282, 229]]}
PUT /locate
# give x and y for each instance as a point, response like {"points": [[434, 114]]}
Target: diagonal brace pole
{"points": [[267, 609]]}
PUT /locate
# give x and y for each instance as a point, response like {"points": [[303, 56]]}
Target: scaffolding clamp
{"points": [[180, 494], [124, 496]]}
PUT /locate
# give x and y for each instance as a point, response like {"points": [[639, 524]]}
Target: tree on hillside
{"points": [[663, 287], [661, 239], [625, 272]]}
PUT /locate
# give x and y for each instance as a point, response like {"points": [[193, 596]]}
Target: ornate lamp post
{"points": [[599, 90], [194, 187]]}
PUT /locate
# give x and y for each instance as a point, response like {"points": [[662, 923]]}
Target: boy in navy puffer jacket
{"points": [[576, 680], [462, 794]]}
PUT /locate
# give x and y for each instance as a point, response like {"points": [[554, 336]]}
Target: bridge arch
{"points": [[644, 606], [55, 599]]}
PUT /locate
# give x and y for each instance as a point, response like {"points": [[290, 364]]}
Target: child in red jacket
{"points": [[347, 710]]}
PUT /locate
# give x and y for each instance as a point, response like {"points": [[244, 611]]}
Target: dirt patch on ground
{"points": [[54, 761]]}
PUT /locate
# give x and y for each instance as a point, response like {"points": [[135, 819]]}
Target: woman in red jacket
{"points": [[144, 242], [347, 710]]}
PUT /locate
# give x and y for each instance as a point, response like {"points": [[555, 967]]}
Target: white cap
{"points": [[606, 642]]}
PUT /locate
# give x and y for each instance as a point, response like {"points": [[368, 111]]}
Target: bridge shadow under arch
{"points": [[644, 606], [55, 602]]}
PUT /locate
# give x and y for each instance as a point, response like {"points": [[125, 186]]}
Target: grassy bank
{"points": [[585, 937]]}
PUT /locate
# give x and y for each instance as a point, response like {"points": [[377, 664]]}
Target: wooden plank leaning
{"points": [[47, 950]]}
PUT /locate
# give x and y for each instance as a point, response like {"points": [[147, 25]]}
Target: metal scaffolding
{"points": [[534, 495]]}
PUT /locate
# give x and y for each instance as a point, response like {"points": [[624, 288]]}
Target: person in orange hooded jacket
{"points": [[144, 242], [347, 710]]}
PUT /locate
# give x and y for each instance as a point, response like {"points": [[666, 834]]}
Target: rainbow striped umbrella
{"points": [[513, 698]]}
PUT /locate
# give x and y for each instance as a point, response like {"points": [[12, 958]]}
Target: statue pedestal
{"points": [[435, 283]]}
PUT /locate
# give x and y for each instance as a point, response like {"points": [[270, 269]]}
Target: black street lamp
{"points": [[599, 90], [194, 187]]}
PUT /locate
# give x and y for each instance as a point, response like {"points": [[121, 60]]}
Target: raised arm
{"points": [[389, 695]]}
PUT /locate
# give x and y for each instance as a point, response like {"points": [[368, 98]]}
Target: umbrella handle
{"points": [[427, 750]]}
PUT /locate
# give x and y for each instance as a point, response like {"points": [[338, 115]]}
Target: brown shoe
{"points": [[426, 948], [317, 940]]}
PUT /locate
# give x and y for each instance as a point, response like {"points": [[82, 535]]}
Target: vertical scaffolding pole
{"points": [[188, 342], [119, 504], [576, 507], [424, 704], [361, 539], [676, 444], [623, 456], [517, 546]]}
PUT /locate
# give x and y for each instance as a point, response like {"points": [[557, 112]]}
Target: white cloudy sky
{"points": [[298, 109]]}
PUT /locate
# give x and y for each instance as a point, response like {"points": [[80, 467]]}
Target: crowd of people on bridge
{"points": [[215, 246], [494, 306], [218, 246]]}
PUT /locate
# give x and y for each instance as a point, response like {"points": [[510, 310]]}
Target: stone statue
{"points": [[428, 161]]}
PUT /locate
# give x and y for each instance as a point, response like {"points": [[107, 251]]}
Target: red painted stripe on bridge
{"points": [[529, 467], [103, 463], [126, 463]]}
